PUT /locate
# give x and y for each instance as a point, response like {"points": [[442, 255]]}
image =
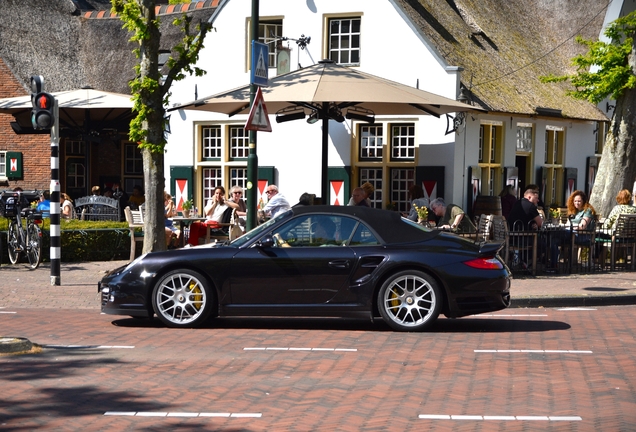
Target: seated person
{"points": [[170, 211], [215, 213], [44, 205], [452, 217]]}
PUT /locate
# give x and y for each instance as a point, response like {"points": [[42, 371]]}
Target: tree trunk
{"points": [[617, 169]]}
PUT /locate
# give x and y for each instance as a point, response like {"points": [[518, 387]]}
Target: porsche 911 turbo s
{"points": [[317, 261]]}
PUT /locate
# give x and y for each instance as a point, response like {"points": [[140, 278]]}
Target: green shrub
{"points": [[81, 240]]}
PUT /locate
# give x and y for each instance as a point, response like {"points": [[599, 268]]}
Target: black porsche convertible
{"points": [[317, 261]]}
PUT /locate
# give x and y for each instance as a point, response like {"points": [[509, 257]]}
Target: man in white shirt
{"points": [[276, 202]]}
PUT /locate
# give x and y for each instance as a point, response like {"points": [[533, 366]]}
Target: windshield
{"points": [[248, 236], [420, 226]]}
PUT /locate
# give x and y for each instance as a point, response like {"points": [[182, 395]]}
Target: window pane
{"points": [[371, 142], [212, 142], [373, 176], [344, 40], [212, 177], [401, 180], [403, 142], [239, 142]]}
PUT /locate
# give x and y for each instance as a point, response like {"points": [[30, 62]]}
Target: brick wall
{"points": [[36, 149]]}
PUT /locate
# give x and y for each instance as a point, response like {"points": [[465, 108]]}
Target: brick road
{"points": [[379, 381]]}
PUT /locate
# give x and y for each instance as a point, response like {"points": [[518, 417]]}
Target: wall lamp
{"points": [[609, 107], [361, 114], [313, 117], [289, 114]]}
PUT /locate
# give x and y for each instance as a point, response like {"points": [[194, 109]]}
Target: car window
{"points": [[314, 230], [363, 237]]}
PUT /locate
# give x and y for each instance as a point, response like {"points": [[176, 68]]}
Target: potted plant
{"points": [[422, 214], [186, 206], [555, 214]]}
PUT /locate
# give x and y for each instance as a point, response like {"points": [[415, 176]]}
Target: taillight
{"points": [[485, 263], [37, 221]]}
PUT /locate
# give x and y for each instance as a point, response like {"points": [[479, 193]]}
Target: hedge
{"points": [[81, 240]]}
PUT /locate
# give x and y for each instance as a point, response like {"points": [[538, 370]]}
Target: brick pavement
{"points": [[22, 287]]}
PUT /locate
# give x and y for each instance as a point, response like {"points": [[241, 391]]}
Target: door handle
{"points": [[339, 264]]}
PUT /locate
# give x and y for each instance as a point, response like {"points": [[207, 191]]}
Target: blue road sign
{"points": [[260, 64]]}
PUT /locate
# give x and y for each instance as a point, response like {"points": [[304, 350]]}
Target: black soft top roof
{"points": [[387, 224]]}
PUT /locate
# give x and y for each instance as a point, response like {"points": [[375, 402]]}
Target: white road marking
{"points": [[89, 346], [536, 351], [497, 418], [299, 349], [181, 414], [6, 312], [510, 315], [576, 309]]}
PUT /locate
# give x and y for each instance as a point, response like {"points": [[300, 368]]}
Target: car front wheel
{"points": [[409, 301], [182, 298]]}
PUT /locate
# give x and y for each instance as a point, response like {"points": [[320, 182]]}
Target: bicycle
{"points": [[19, 239]]}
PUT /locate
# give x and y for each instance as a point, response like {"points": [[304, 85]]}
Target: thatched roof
{"points": [[74, 48], [504, 47]]}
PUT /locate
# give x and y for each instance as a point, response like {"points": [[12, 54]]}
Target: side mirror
{"points": [[266, 242]]}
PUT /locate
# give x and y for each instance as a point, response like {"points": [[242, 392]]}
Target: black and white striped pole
{"points": [[56, 243], [45, 115]]}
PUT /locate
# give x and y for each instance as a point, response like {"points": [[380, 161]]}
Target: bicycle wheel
{"points": [[34, 245], [13, 242]]}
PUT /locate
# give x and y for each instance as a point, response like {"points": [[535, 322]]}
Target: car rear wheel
{"points": [[409, 301], [182, 298]]}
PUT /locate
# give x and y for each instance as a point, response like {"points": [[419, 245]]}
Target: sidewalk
{"points": [[25, 288]]}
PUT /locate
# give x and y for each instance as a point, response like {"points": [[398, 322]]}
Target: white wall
{"points": [[295, 147]]}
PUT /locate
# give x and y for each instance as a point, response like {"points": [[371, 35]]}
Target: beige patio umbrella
{"points": [[77, 110], [330, 91]]}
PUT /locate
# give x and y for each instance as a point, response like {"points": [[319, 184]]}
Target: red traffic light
{"points": [[42, 115]]}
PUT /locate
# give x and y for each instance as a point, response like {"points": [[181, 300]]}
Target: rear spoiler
{"points": [[490, 248]]}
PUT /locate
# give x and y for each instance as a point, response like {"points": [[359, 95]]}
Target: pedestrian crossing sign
{"points": [[260, 64], [258, 119]]}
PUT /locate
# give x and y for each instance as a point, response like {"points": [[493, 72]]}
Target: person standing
{"points": [[276, 202], [68, 211], [452, 217], [508, 200]]}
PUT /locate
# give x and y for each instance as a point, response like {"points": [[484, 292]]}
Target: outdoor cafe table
{"points": [[185, 221]]}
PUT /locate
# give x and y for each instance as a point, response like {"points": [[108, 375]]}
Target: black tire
{"points": [[410, 301], [13, 242], [182, 298], [34, 245]]}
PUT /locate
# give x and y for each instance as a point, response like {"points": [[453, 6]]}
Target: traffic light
{"points": [[42, 114]]}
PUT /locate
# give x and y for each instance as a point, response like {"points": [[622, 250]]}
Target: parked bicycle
{"points": [[20, 239]]}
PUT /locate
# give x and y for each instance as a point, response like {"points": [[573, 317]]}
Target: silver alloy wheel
{"points": [[181, 299], [409, 301]]}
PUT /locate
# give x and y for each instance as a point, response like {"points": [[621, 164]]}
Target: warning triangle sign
{"points": [[258, 120]]}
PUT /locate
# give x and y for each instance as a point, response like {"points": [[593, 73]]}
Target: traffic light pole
{"points": [[56, 249]]}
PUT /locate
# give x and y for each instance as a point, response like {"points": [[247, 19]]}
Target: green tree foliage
{"points": [[150, 97], [604, 70], [608, 69]]}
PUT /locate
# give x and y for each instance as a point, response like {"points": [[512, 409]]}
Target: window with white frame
{"points": [[3, 164], [269, 33], [524, 137], [491, 157], [371, 143], [390, 170], [344, 40], [403, 142], [223, 157]]}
